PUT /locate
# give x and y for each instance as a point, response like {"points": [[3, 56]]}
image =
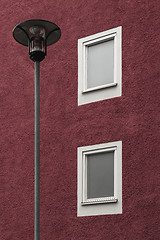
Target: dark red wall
{"points": [[133, 118]]}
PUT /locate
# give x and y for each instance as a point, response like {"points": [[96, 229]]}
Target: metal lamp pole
{"points": [[37, 34], [37, 151]]}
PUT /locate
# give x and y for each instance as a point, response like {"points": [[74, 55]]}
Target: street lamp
{"points": [[37, 34]]}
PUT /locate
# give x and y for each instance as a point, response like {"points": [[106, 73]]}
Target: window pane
{"points": [[100, 64], [100, 175]]}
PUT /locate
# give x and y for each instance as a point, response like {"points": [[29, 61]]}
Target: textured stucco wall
{"points": [[133, 118]]}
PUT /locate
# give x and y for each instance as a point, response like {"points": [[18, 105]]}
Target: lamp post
{"points": [[37, 34]]}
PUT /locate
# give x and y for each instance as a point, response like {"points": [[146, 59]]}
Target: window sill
{"points": [[99, 87], [99, 201]]}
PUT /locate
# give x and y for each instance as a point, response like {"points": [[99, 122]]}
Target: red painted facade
{"points": [[133, 118]]}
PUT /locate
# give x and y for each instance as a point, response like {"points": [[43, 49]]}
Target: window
{"points": [[99, 66], [100, 179]]}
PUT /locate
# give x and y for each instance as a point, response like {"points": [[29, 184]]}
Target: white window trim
{"points": [[104, 91], [84, 180], [94, 206]]}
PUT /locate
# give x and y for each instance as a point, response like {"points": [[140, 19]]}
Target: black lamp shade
{"points": [[21, 32]]}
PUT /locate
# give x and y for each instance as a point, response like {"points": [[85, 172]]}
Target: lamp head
{"points": [[37, 34]]}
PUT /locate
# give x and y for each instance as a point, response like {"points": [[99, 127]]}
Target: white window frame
{"points": [[84, 180], [106, 91], [104, 205]]}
